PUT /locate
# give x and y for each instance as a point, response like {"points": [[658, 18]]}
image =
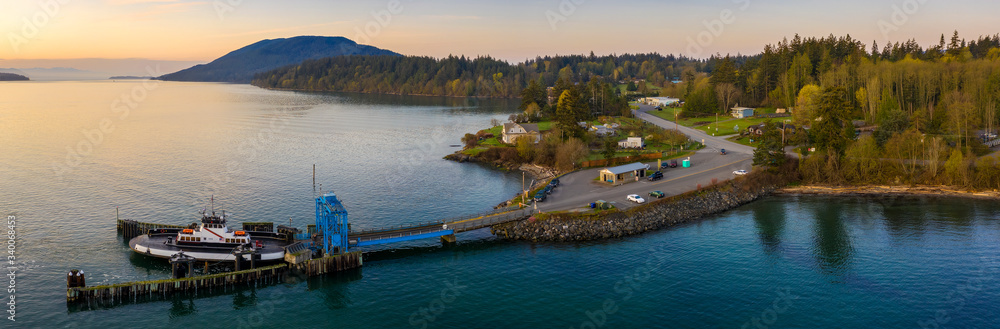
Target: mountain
{"points": [[90, 68], [12, 77], [241, 65], [54, 73]]}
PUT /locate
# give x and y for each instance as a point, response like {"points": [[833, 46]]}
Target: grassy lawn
{"points": [[474, 151], [743, 141], [707, 124], [726, 125], [649, 86], [666, 113]]}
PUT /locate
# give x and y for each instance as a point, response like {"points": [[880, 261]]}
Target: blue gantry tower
{"points": [[331, 222]]}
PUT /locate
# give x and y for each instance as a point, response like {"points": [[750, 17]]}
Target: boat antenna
{"points": [[212, 198]]}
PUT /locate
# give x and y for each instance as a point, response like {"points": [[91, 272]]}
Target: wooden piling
{"points": [[134, 291], [329, 264], [258, 226], [129, 229]]}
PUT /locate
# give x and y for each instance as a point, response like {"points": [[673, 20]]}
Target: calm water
{"points": [[778, 263]]}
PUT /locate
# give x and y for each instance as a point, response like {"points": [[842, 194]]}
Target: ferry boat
{"points": [[212, 240]]}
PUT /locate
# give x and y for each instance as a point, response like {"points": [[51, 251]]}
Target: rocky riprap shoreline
{"points": [[655, 215], [885, 190]]}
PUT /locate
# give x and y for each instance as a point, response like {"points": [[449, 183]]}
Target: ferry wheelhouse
{"points": [[212, 240]]}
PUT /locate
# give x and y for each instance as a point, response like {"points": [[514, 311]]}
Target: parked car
{"points": [[635, 198], [657, 194], [673, 163], [722, 151], [740, 172], [548, 189], [540, 196], [655, 176], [554, 182], [665, 165]]}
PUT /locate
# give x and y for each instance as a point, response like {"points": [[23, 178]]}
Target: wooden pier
{"points": [[129, 229], [109, 295], [258, 226]]}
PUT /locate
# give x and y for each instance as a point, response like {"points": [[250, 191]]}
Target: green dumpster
{"points": [[686, 163]]}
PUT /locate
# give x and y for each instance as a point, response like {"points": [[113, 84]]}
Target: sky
{"points": [[189, 31]]}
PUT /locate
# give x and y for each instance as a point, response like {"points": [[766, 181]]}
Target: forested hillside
{"points": [[12, 77], [462, 76], [240, 65]]}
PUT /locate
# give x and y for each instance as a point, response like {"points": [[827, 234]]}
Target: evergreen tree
{"points": [[770, 152], [834, 130], [567, 112]]}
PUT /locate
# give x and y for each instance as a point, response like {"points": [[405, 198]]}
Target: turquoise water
{"points": [[783, 262]]}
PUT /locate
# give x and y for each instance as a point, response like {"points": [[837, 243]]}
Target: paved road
{"points": [[580, 188], [711, 142]]}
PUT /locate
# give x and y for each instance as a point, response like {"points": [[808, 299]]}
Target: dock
{"points": [[110, 295], [324, 249]]}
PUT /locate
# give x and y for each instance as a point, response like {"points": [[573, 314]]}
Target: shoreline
{"points": [[693, 206], [655, 215], [371, 93], [886, 190]]}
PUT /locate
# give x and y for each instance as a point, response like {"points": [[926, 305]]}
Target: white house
{"points": [[632, 143], [602, 130], [660, 101], [513, 131], [742, 112]]}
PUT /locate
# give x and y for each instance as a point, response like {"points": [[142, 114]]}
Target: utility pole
{"points": [[525, 198], [783, 132], [675, 121]]}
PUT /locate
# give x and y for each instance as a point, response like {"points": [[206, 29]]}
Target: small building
{"points": [[742, 112], [512, 131], [757, 129], [624, 174], [660, 101], [602, 130], [632, 143]]}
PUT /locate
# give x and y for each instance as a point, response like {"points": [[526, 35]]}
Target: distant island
{"points": [[129, 77], [12, 77], [240, 65]]}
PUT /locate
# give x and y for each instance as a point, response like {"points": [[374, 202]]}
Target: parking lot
{"points": [[579, 189]]}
